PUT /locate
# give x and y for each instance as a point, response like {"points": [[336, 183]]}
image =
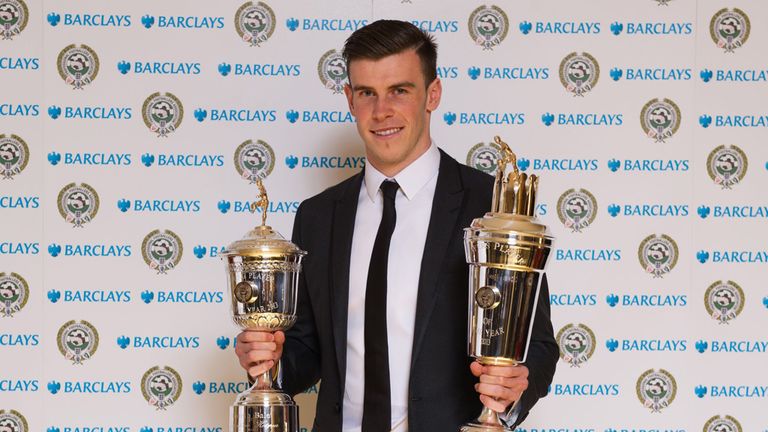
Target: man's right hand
{"points": [[259, 351]]}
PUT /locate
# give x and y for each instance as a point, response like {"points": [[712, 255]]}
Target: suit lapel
{"points": [[449, 195], [345, 209]]}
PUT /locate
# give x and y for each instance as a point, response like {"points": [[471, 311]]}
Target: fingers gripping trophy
{"points": [[507, 251], [263, 274]]}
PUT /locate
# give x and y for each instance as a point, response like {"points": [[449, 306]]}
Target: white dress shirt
{"points": [[413, 205]]}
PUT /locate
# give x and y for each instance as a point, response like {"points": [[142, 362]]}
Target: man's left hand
{"points": [[500, 386]]}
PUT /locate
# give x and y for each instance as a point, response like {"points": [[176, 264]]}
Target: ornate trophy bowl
{"points": [[263, 274], [507, 252]]}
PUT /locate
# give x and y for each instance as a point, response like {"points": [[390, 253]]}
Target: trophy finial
{"points": [[262, 203], [515, 193]]}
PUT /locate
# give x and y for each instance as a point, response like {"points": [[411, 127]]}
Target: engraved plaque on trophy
{"points": [[507, 251], [263, 274]]}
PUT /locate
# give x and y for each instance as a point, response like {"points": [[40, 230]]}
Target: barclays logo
{"points": [[582, 119], [559, 164], [91, 113], [15, 248], [732, 346], [183, 22], [653, 28], [159, 206], [236, 115], [90, 296], [590, 389], [90, 387], [19, 385], [19, 63], [325, 24], [294, 116], [201, 251], [224, 387], [653, 210], [647, 345], [89, 250], [19, 110], [732, 391], [328, 162], [260, 69], [649, 165], [485, 118], [733, 75], [158, 342], [89, 429], [559, 27], [158, 68], [735, 257], [183, 160], [651, 74], [101, 159], [735, 212], [646, 300], [604, 255], [224, 206], [509, 73], [447, 72], [180, 428], [573, 299], [19, 202], [182, 297], [89, 20], [19, 339], [439, 26], [223, 342], [734, 121]]}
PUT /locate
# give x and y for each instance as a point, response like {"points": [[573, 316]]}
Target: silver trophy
{"points": [[507, 251], [263, 273]]}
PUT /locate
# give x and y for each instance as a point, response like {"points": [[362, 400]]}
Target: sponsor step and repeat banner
{"points": [[132, 135]]}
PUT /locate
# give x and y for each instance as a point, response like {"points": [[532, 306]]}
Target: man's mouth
{"points": [[387, 132]]}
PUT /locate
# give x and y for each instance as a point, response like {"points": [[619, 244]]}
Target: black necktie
{"points": [[377, 409]]}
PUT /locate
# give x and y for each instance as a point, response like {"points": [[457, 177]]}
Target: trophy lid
{"points": [[507, 222], [262, 241]]}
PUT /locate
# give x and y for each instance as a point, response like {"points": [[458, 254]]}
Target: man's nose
{"points": [[382, 109]]}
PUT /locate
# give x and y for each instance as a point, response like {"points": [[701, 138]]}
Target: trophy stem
{"points": [[488, 421]]}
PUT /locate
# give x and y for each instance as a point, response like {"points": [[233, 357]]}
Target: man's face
{"points": [[392, 105]]}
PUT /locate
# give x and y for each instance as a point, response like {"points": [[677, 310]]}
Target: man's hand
{"points": [[258, 351], [500, 386]]}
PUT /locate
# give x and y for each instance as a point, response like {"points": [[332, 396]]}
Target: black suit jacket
{"points": [[441, 389]]}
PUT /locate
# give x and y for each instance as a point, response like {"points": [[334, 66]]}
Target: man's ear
{"points": [[434, 93], [348, 94]]}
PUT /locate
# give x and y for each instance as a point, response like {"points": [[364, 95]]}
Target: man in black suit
{"points": [[382, 312]]}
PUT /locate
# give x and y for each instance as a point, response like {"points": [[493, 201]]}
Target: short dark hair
{"points": [[384, 38]]}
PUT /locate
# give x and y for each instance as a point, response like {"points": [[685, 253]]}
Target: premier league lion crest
{"points": [[658, 254], [254, 160], [577, 344], [78, 65], [161, 386], [729, 29], [483, 156], [579, 73], [577, 209], [14, 293], [722, 424], [332, 70], [162, 113], [727, 165], [78, 341], [660, 119], [13, 18], [255, 22], [13, 421], [488, 26], [162, 250], [724, 301], [14, 156], [656, 389], [78, 204]]}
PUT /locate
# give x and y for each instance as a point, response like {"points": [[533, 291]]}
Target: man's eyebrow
{"points": [[393, 86]]}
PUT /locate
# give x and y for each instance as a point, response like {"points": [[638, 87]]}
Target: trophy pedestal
{"points": [[264, 411], [487, 422]]}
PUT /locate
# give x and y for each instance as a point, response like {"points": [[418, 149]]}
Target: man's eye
{"points": [[366, 93], [401, 91]]}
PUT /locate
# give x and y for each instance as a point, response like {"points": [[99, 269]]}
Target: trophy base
{"points": [[264, 411], [487, 422]]}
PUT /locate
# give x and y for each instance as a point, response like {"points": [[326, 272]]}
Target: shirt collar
{"points": [[411, 179]]}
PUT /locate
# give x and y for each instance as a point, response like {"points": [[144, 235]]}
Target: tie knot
{"points": [[389, 189]]}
